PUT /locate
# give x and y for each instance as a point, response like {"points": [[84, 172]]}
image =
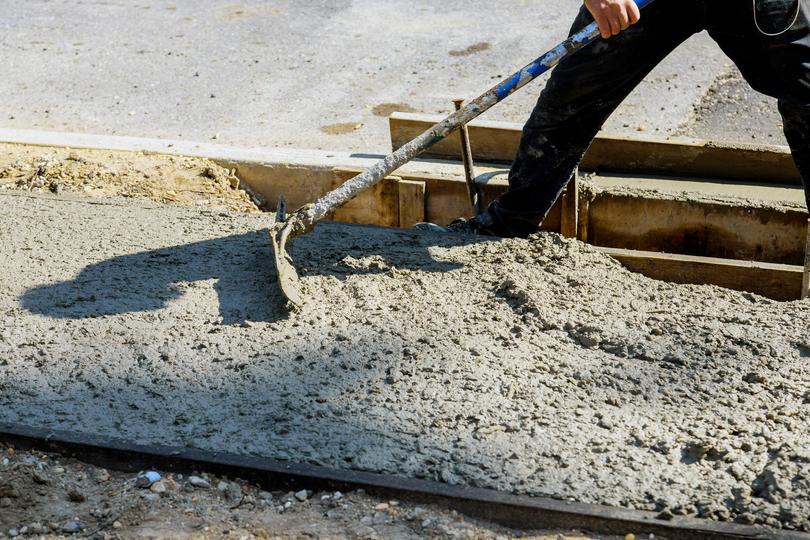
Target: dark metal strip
{"points": [[516, 511]]}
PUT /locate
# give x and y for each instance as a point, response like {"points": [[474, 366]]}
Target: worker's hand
{"points": [[613, 16]]}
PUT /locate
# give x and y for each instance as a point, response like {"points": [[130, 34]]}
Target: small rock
{"points": [[367, 520], [365, 533], [199, 482], [58, 470], [149, 496], [76, 496], [337, 496], [71, 527], [160, 488], [23, 530], [116, 525], [5, 502], [39, 477], [231, 490], [146, 479], [381, 507], [35, 528], [13, 533], [302, 495], [101, 476], [417, 513], [265, 496], [287, 505]]}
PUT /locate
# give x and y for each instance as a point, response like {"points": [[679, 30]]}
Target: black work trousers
{"points": [[766, 39]]}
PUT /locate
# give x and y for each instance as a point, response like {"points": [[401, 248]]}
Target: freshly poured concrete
{"points": [[533, 366]]}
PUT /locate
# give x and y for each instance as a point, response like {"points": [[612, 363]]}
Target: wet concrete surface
{"points": [[540, 367]]}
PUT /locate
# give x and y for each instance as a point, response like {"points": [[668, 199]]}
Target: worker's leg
{"points": [[580, 95], [777, 64], [796, 119]]}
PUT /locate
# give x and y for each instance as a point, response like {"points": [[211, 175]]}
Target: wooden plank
{"points": [[490, 141], [806, 277], [378, 205], [411, 203], [775, 281], [497, 142], [706, 228], [446, 198]]}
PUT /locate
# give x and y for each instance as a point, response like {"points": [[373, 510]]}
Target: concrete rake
{"points": [[304, 219]]}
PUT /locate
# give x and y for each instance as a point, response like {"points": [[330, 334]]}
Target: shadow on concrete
{"points": [[242, 267]]}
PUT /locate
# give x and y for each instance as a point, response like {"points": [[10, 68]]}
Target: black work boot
{"points": [[481, 225]]}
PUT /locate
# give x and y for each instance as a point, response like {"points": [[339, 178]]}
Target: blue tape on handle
{"points": [[578, 41]]}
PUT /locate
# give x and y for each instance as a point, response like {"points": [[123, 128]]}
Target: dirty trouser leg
{"points": [[581, 93], [796, 120], [769, 40]]}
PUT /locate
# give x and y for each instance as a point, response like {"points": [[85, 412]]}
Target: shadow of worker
{"points": [[241, 267]]}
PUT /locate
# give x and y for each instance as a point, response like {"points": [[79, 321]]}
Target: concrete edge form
{"points": [[498, 141], [776, 281], [436, 191], [507, 509]]}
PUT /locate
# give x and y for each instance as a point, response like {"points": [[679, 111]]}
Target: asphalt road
{"points": [[304, 73]]}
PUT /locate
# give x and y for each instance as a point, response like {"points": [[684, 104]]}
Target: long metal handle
{"points": [[336, 198]]}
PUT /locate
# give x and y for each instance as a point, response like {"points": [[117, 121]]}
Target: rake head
{"points": [[286, 228]]}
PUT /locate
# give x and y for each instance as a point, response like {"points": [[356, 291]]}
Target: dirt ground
{"points": [[45, 495], [533, 366], [101, 173]]}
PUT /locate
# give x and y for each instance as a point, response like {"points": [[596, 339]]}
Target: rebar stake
{"points": [[473, 189]]}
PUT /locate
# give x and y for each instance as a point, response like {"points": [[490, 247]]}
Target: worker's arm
{"points": [[613, 16]]}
